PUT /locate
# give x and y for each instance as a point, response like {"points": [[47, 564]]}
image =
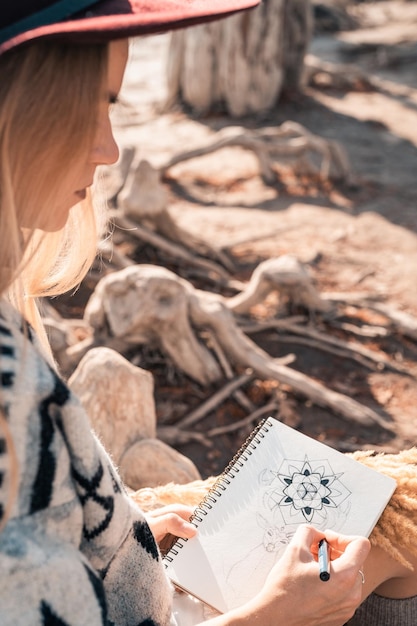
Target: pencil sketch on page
{"points": [[299, 491], [306, 491]]}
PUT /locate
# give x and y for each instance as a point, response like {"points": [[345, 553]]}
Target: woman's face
{"points": [[104, 150]]}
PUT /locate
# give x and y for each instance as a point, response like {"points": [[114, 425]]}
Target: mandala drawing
{"points": [[304, 491]]}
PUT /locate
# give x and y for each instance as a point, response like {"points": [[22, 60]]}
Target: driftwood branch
{"points": [[144, 302], [398, 321], [326, 343], [200, 331], [349, 77], [285, 275], [144, 201], [239, 396], [172, 249], [249, 420], [214, 401], [288, 142], [342, 76], [243, 352]]}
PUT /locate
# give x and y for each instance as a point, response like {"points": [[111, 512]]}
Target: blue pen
{"points": [[324, 564]]}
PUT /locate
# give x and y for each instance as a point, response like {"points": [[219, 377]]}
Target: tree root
{"points": [[289, 142], [172, 249], [320, 341], [144, 201], [143, 303], [288, 277], [399, 321], [201, 334]]}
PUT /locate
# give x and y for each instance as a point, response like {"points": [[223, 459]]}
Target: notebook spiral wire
{"points": [[223, 481]]}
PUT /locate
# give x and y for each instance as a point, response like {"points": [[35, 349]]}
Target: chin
{"points": [[56, 221], [53, 228], [81, 195]]}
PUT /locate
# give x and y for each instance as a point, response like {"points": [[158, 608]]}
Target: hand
{"points": [[295, 592], [172, 519]]}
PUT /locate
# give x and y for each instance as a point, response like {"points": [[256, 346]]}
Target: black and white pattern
{"points": [[3, 467], [75, 550], [49, 618]]}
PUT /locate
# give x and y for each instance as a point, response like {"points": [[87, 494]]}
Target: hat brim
{"points": [[113, 19]]}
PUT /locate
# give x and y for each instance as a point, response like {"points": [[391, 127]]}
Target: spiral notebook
{"points": [[279, 479]]}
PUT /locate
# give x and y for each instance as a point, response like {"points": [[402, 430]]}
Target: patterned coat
{"points": [[75, 551]]}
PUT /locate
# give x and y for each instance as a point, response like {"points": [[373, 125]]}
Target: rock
{"points": [[118, 397], [114, 176], [144, 194], [152, 462]]}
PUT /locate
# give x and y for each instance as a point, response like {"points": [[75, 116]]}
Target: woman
{"points": [[74, 549]]}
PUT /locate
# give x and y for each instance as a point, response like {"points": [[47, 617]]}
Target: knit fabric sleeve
{"points": [[75, 549], [379, 611]]}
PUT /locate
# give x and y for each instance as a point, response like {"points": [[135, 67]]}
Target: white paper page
{"points": [[287, 479]]}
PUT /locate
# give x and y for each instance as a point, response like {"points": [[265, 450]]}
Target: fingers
{"points": [[342, 543], [354, 547], [297, 573], [172, 520], [182, 510], [170, 523], [345, 586], [305, 541], [357, 550], [347, 553]]}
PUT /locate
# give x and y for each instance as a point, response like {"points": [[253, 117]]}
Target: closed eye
{"points": [[120, 105], [116, 100]]}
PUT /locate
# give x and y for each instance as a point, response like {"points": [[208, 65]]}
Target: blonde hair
{"points": [[396, 529], [49, 97]]}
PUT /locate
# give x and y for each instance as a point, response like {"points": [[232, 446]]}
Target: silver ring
{"points": [[362, 576]]}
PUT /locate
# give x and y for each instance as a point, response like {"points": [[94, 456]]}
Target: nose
{"points": [[105, 149]]}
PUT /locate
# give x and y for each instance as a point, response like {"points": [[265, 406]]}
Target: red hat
{"points": [[23, 21]]}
